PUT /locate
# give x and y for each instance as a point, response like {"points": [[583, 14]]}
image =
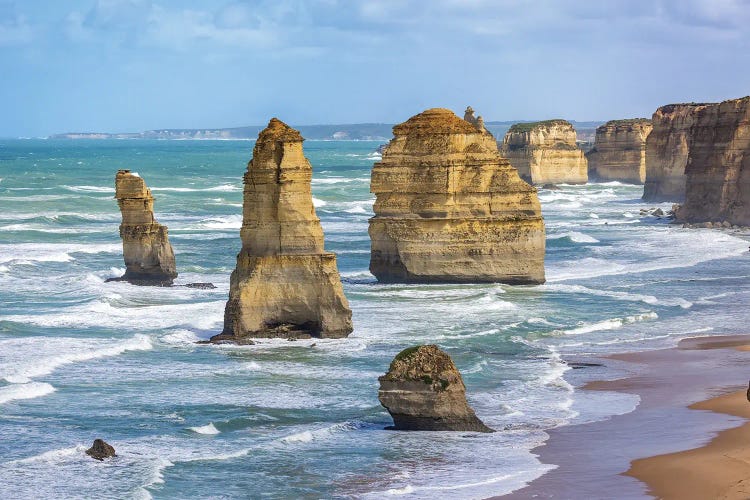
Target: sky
{"points": [[133, 65]]}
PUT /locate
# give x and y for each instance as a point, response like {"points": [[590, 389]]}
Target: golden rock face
{"points": [[717, 186], [449, 209], [285, 284], [667, 149], [545, 152], [149, 258], [619, 152]]}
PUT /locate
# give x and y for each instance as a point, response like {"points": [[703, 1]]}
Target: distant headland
{"points": [[353, 132]]}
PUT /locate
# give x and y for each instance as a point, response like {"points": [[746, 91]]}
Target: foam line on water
{"points": [[30, 390]]}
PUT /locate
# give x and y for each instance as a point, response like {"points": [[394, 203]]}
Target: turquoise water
{"points": [[81, 358]]}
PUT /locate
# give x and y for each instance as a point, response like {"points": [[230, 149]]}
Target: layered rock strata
{"points": [[423, 391], [149, 258], [545, 152], [285, 284], [619, 152], [448, 208], [718, 167], [667, 149]]}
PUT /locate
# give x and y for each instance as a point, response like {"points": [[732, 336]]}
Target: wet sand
{"points": [[692, 397]]}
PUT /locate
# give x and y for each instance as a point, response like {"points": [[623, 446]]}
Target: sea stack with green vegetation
{"points": [[450, 209], [667, 151], [285, 283], [423, 391], [619, 152], [717, 184], [149, 258], [545, 152]]}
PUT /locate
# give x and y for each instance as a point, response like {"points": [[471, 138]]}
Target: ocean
{"points": [[83, 359]]}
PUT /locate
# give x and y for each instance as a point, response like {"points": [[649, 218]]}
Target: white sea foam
{"points": [[89, 189], [626, 296], [223, 188], [318, 434], [607, 324], [208, 429], [575, 237], [318, 202], [29, 390], [22, 359], [24, 253]]}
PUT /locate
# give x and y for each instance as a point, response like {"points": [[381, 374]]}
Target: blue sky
{"points": [[131, 65]]}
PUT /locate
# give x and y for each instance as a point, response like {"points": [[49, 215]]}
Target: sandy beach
{"points": [[689, 437]]}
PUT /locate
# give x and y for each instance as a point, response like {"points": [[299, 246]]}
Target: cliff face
{"points": [[423, 391], [718, 166], [149, 259], [619, 152], [285, 284], [545, 152], [449, 209], [667, 148]]}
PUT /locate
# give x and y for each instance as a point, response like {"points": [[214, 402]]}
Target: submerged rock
{"points": [[101, 450], [667, 150], [149, 258], [619, 152], [423, 391], [545, 152], [717, 184], [449, 209], [285, 284]]}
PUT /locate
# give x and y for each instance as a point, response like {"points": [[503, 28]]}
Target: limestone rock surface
{"points": [[718, 168], [101, 450], [619, 152], [285, 283], [423, 391], [545, 152], [667, 148], [149, 258], [449, 209]]}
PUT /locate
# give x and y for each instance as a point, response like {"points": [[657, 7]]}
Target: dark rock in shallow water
{"points": [[101, 450], [551, 187], [205, 286], [423, 391]]}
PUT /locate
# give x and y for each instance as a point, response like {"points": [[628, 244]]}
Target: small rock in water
{"points": [[205, 286], [423, 391], [658, 212], [551, 187], [101, 450]]}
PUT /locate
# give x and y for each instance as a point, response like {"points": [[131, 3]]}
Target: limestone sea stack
{"points": [[545, 152], [717, 173], [450, 209], [667, 148], [285, 284], [423, 391], [619, 152], [149, 258]]}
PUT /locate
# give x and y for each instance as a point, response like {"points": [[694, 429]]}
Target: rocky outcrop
{"points": [[423, 391], [717, 187], [285, 284], [149, 258], [619, 152], [448, 208], [545, 152], [101, 450], [667, 148]]}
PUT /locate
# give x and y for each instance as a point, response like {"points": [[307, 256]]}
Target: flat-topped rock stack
{"points": [[449, 208], [619, 152], [545, 152], [285, 283], [423, 391], [149, 258], [667, 148], [717, 185]]}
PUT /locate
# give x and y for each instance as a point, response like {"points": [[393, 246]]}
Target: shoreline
{"points": [[688, 437]]}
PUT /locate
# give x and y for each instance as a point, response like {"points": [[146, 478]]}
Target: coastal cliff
{"points": [[149, 258], [619, 152], [423, 391], [545, 152], [667, 148], [449, 208], [718, 166], [285, 284]]}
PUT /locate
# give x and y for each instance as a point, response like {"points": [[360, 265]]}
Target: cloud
{"points": [[14, 27]]}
